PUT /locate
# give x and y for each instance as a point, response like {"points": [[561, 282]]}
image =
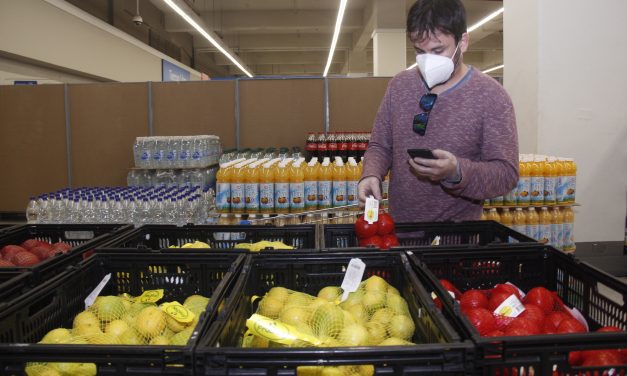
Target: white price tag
{"points": [[576, 314], [91, 298], [434, 296], [436, 240], [353, 276], [511, 307], [371, 212]]}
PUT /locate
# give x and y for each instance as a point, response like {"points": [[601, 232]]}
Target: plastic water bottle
{"points": [[43, 209], [32, 211], [89, 211], [196, 158], [185, 153], [105, 211], [172, 156], [170, 207], [144, 211]]}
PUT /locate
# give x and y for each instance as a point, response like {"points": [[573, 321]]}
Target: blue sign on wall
{"points": [[172, 72], [24, 82]]}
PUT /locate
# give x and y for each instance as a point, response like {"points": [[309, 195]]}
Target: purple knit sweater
{"points": [[474, 120]]}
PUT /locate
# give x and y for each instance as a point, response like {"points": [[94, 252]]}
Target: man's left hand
{"points": [[442, 168]]}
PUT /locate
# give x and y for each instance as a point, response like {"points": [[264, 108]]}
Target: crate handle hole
{"points": [[610, 294]]}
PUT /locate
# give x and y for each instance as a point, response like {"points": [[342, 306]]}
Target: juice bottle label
{"points": [[570, 188], [281, 196], [339, 193], [266, 197], [223, 197], [549, 190], [537, 190], [237, 197], [568, 240], [351, 192], [385, 189], [560, 189], [311, 194], [533, 231], [497, 201], [556, 235], [324, 194], [545, 233], [510, 198], [524, 186], [520, 228], [297, 194], [252, 196]]}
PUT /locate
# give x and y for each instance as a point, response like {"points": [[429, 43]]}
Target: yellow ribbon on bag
{"points": [[277, 331]]}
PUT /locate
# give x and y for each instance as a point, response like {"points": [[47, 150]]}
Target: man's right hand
{"points": [[369, 186]]}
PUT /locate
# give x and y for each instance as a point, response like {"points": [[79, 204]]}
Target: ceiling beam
{"points": [[277, 42], [283, 58]]}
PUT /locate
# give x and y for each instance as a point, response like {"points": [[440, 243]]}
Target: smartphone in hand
{"points": [[421, 153]]}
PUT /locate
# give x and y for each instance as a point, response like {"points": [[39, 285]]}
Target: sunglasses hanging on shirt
{"points": [[427, 102]]}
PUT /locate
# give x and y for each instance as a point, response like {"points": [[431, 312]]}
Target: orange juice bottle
{"points": [[352, 180], [484, 215], [266, 187], [550, 181], [493, 215], [520, 221], [282, 187], [537, 181], [325, 177], [557, 228], [524, 182], [569, 228], [252, 186], [562, 181], [339, 183], [297, 186], [545, 225], [507, 218], [533, 224], [572, 180], [223, 186], [311, 184], [238, 191]]}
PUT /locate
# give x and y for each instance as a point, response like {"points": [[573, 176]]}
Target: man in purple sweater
{"points": [[464, 116]]}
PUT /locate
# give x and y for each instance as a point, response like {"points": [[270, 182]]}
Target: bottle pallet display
{"points": [[337, 144], [554, 226], [283, 186]]}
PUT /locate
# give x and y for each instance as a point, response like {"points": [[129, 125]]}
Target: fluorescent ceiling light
{"points": [[205, 34], [474, 27], [336, 34], [494, 68]]}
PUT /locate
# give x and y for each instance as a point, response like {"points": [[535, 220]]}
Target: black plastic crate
{"points": [[578, 284], [26, 320], [82, 238], [4, 227], [440, 350], [422, 234], [159, 237]]}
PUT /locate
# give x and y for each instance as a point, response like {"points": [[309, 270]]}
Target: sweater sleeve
{"points": [[496, 173], [378, 157]]}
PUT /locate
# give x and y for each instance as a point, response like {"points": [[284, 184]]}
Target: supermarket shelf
{"points": [[177, 168], [531, 206]]}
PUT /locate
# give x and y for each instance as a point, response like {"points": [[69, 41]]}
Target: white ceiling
{"points": [[292, 37]]}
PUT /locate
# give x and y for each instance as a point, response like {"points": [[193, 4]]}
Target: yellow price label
{"points": [[178, 312], [150, 296], [277, 331], [506, 311]]}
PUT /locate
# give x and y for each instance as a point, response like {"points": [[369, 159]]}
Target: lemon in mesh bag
{"points": [[108, 308]]}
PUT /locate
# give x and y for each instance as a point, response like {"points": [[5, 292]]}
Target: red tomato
{"points": [[533, 313], [495, 333], [504, 287], [575, 358], [61, 247], [450, 287], [390, 241], [5, 263], [482, 320], [41, 252], [385, 223], [503, 322], [540, 297], [556, 317], [609, 329], [595, 358], [473, 299], [497, 298], [24, 259], [373, 241], [522, 327], [570, 326], [364, 229], [30, 243], [9, 251], [549, 328]]}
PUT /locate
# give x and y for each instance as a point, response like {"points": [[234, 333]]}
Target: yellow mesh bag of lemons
{"points": [[374, 315], [123, 320], [253, 247]]}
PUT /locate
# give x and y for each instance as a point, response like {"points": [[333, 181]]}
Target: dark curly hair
{"points": [[428, 16]]}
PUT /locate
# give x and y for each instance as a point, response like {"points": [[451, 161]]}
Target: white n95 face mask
{"points": [[435, 69]]}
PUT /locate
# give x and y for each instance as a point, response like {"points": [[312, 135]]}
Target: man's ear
{"points": [[464, 42]]}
